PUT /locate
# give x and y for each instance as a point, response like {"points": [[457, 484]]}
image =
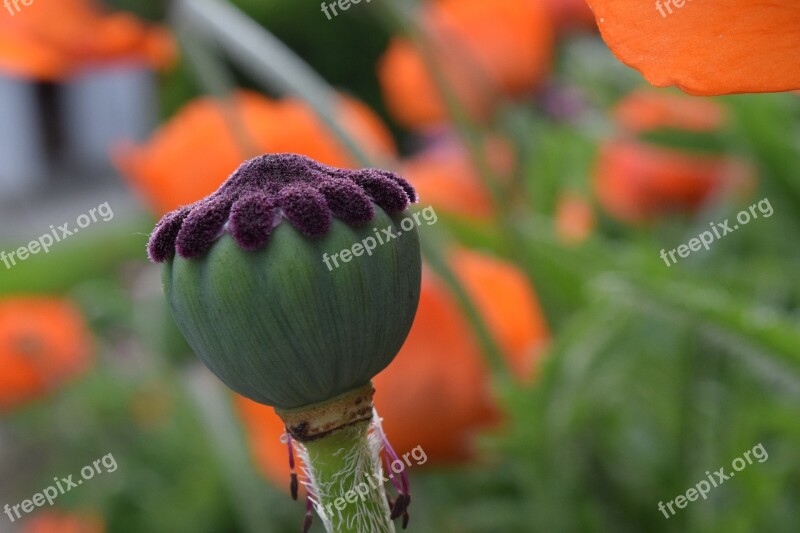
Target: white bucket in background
{"points": [[103, 107], [23, 165]]}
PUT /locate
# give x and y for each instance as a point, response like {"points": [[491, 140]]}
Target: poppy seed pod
{"points": [[262, 305], [254, 297]]}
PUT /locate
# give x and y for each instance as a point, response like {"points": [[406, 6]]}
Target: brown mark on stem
{"points": [[313, 422]]}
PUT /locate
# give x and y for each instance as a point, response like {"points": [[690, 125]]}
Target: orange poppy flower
{"points": [[436, 392], [706, 47], [48, 39], [445, 176], [191, 155], [59, 522], [43, 342], [483, 49], [574, 218], [637, 180]]}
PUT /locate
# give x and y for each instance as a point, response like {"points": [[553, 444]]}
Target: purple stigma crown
{"points": [[268, 188]]}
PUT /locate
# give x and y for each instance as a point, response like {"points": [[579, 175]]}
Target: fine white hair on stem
{"points": [[360, 461]]}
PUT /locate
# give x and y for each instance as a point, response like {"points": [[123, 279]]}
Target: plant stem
{"points": [[346, 481]]}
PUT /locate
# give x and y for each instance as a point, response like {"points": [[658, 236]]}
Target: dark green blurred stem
{"points": [[216, 80], [250, 497], [267, 59], [403, 15], [686, 449]]}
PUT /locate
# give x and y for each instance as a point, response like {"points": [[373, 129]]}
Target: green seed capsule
{"points": [[293, 314], [280, 327]]}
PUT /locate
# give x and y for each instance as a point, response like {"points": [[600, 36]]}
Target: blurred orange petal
{"points": [[482, 49], [645, 110], [569, 14], [706, 47], [447, 180], [59, 522], [636, 182], [32, 60], [446, 177], [193, 153], [43, 342], [47, 40], [574, 218]]}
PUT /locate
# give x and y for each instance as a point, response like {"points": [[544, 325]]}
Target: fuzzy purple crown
{"points": [[268, 188]]}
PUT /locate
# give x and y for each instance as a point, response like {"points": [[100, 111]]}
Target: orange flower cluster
{"points": [[436, 392], [50, 39], [43, 343], [637, 181]]}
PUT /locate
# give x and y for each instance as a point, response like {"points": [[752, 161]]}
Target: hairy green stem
{"points": [[345, 478]]}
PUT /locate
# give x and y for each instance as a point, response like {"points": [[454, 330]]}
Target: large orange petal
{"points": [[706, 47], [193, 153], [508, 304]]}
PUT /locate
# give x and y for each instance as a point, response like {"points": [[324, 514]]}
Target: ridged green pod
{"points": [[279, 326]]}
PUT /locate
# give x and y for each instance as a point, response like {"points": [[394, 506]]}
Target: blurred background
{"points": [[561, 375]]}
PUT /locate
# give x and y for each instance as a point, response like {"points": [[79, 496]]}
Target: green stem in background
{"points": [[216, 80], [268, 60], [345, 479], [470, 134], [253, 500]]}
